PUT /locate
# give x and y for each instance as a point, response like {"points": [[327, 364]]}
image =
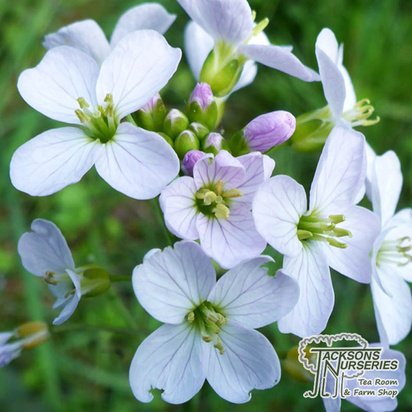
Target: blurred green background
{"points": [[86, 368]]}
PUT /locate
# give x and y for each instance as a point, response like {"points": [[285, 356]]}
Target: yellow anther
{"points": [[191, 317], [304, 234], [209, 198], [253, 15], [219, 199], [219, 187], [333, 242], [341, 232], [232, 193], [337, 218], [200, 194], [82, 102], [207, 338], [218, 345], [221, 211], [260, 26], [81, 116]]}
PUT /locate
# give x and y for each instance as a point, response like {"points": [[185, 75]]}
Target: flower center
{"points": [[360, 113], [213, 201], [395, 252], [101, 123], [209, 322], [323, 229], [53, 278]]}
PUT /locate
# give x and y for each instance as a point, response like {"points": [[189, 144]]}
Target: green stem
{"points": [[120, 278], [93, 328], [159, 215]]}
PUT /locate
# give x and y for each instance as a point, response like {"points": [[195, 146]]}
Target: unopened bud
{"points": [[152, 115], [202, 107], [269, 130], [175, 123], [32, 334], [189, 161], [167, 138], [199, 130], [214, 143], [185, 142]]}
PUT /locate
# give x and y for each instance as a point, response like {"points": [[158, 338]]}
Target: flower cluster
{"points": [[217, 194]]}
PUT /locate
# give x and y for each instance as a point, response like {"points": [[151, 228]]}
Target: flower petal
{"points": [[52, 160], [230, 241], [354, 260], [171, 359], [149, 16], [248, 295], [380, 403], [333, 80], [85, 35], [198, 45], [247, 77], [249, 362], [55, 84], [224, 167], [386, 185], [138, 67], [279, 58], [227, 20], [9, 352], [340, 173], [350, 95], [258, 168], [44, 249], [277, 208], [71, 304], [5, 336], [171, 283], [311, 314], [137, 162], [178, 203], [393, 312]]}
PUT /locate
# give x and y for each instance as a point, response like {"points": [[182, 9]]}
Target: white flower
{"points": [[337, 85], [87, 36], [27, 336], [44, 253], [215, 205], [209, 331], [332, 232], [367, 402], [391, 257], [228, 26], [69, 86]]}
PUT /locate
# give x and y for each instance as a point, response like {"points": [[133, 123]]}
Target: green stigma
{"points": [[214, 201], [323, 229], [102, 122], [209, 321]]}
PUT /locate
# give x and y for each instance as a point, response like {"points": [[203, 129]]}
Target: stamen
{"points": [[209, 198], [82, 103], [219, 187], [260, 26], [221, 211], [360, 113], [395, 252], [191, 317]]}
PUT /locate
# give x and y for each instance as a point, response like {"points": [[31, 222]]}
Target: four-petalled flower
{"points": [[209, 326]]}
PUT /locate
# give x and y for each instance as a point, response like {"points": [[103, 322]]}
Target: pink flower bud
{"points": [[151, 105], [202, 94], [269, 130], [189, 161]]}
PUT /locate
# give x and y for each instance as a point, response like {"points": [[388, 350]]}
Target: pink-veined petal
{"points": [[53, 160], [277, 208], [227, 20], [223, 167], [44, 249], [171, 283], [139, 66], [249, 362], [85, 35], [178, 203], [340, 173], [230, 241], [198, 45], [279, 58], [55, 84], [171, 359], [393, 305], [72, 302], [258, 169], [316, 299], [333, 80], [248, 295], [137, 162], [147, 16], [386, 185]]}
